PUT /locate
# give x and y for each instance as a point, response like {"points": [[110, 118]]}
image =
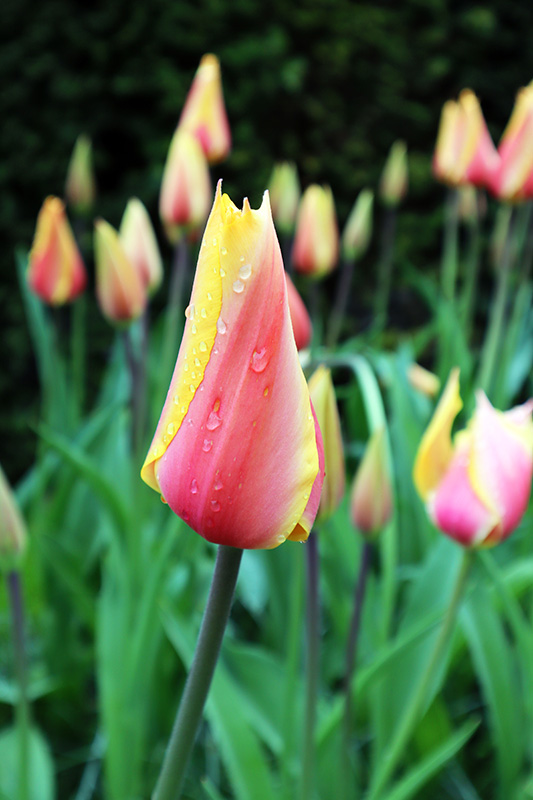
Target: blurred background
{"points": [[327, 84]]}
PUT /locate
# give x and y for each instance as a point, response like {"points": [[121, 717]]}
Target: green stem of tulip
{"points": [[339, 309], [351, 656], [137, 397], [491, 344], [307, 785], [78, 351], [386, 262], [450, 245], [174, 310], [23, 710], [293, 656], [189, 715], [472, 271], [419, 698]]}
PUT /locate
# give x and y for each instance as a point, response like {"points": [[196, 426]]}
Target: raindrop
{"points": [[171, 428], [241, 259], [194, 328], [209, 296], [215, 505], [221, 326], [259, 360], [245, 271], [203, 347], [214, 242], [193, 375], [218, 485], [177, 399], [196, 362], [207, 445], [185, 367], [224, 251], [192, 388], [222, 272], [238, 286], [165, 439], [183, 409], [194, 486], [203, 313], [213, 421], [189, 312]]}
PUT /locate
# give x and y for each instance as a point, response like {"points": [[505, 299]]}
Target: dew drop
{"points": [[209, 296], [165, 439], [176, 399], [185, 367], [265, 393], [203, 313], [189, 312], [192, 388], [214, 242], [215, 505], [194, 486], [245, 271], [218, 485], [185, 516], [207, 445], [222, 272], [224, 251], [213, 421], [197, 362], [221, 326], [280, 539], [183, 409], [238, 286], [215, 351], [193, 375], [241, 259], [171, 428], [259, 360], [194, 351], [203, 347], [194, 328]]}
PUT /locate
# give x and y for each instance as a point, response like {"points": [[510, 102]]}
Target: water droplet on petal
{"points": [[222, 273], [194, 486], [185, 516], [259, 360], [209, 296], [189, 312], [194, 328], [241, 259], [245, 271], [183, 409], [280, 539], [215, 505], [214, 242], [203, 347], [193, 374], [213, 421], [185, 367], [197, 362], [176, 399], [207, 445], [203, 313], [238, 286], [171, 428], [218, 485], [221, 326], [265, 393], [224, 251], [192, 388]]}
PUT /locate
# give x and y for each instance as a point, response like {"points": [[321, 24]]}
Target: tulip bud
{"points": [[358, 230], [301, 321], [13, 536], [513, 179], [393, 185], [284, 189], [325, 405], [55, 271], [80, 186], [237, 452], [204, 113], [371, 499], [316, 243], [186, 187], [140, 245], [476, 488], [119, 287], [423, 380]]}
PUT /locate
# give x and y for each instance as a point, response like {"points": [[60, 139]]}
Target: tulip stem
{"points": [[174, 310], [77, 354], [23, 711], [137, 397], [189, 714], [339, 309], [419, 698], [472, 271], [450, 245], [313, 641], [386, 263]]}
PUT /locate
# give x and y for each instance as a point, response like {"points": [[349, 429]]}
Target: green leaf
{"points": [[41, 780]]}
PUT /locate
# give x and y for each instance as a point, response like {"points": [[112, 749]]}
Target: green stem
{"points": [[23, 709], [419, 698], [308, 782], [339, 309], [471, 277], [491, 344], [386, 262], [174, 311], [138, 393], [78, 354], [450, 245], [189, 715]]}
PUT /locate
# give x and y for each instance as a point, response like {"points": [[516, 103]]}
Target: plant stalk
{"points": [[14, 589], [189, 714], [174, 309], [386, 263], [450, 245], [307, 787], [339, 309]]}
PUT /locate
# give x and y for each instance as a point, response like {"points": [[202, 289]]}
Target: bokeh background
{"points": [[328, 84]]}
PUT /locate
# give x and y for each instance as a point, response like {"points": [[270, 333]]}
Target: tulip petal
{"points": [[436, 451], [235, 451]]}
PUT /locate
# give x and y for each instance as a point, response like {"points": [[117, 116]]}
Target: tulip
{"points": [[237, 452], [13, 535], [325, 405], [423, 380], [55, 271], [513, 179], [316, 242], [80, 186], [140, 245], [284, 189], [301, 321], [394, 179], [477, 487], [371, 498], [204, 113], [358, 229], [119, 287], [186, 187]]}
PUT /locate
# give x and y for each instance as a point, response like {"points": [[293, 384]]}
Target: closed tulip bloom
{"points": [[476, 487], [423, 380], [358, 229], [55, 271], [237, 452], [513, 179], [394, 178], [325, 404], [140, 245], [186, 188], [301, 321], [204, 113], [120, 289], [316, 242], [371, 499], [80, 187], [284, 189], [13, 535]]}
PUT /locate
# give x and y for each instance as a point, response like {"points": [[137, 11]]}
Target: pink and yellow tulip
{"points": [[120, 290], [140, 245], [316, 242], [301, 321], [394, 179], [284, 190], [513, 179], [13, 534], [204, 113], [325, 404], [371, 499], [476, 487], [186, 187], [55, 271], [237, 452]]}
